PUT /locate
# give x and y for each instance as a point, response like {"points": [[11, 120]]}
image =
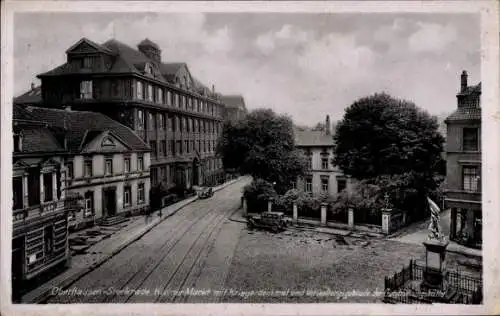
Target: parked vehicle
{"points": [[205, 193], [274, 221]]}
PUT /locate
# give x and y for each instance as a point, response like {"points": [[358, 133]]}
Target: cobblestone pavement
{"points": [[170, 257]]}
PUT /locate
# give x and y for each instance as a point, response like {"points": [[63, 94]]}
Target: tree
{"points": [[393, 144], [263, 146]]}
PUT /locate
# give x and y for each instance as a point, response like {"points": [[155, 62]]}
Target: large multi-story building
{"points": [[322, 176], [40, 218], [177, 116], [107, 163], [463, 164], [234, 107]]}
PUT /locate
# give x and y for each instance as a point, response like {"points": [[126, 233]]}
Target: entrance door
{"points": [[109, 202], [196, 178], [17, 266]]}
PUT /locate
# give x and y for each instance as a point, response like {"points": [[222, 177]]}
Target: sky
{"points": [[306, 65]]}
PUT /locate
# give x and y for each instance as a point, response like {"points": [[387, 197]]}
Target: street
{"points": [[178, 253]]}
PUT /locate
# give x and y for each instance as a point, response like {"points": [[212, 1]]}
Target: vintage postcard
{"points": [[250, 158]]}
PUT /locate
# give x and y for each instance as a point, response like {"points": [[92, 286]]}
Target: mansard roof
{"points": [[465, 114], [78, 124]]}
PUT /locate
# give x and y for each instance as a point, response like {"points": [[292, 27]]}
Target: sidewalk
{"points": [[102, 251]]}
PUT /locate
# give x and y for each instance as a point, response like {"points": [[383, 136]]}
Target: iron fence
{"points": [[469, 289]]}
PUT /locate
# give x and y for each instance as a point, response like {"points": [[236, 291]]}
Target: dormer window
{"points": [[17, 143], [87, 62], [148, 69]]}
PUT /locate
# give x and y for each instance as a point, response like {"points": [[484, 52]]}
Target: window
{"points": [[196, 105], [176, 100], [183, 100], [151, 122], [140, 163], [148, 69], [108, 167], [127, 164], [161, 121], [87, 168], [184, 124], [471, 178], [150, 93], [308, 187], [70, 173], [47, 186], [324, 163], [154, 175], [181, 124], [140, 119], [140, 90], [191, 125], [87, 62], [196, 126], [192, 145], [17, 143], [170, 123], [324, 184], [48, 239], [171, 147], [163, 173], [140, 193], [310, 162], [17, 188], [89, 204], [159, 95], [186, 146], [470, 139], [127, 196], [341, 185], [294, 184], [163, 148], [169, 98], [198, 146], [86, 90], [178, 149], [152, 144], [177, 124]]}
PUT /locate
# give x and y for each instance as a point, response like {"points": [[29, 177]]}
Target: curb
{"points": [[72, 279]]}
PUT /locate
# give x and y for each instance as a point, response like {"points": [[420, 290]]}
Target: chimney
{"points": [[327, 125], [32, 86], [463, 81]]}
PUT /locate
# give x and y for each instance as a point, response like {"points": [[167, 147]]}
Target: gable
{"points": [[103, 143], [85, 46], [184, 77]]}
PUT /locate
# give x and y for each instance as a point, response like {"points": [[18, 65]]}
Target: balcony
{"points": [[37, 211]]}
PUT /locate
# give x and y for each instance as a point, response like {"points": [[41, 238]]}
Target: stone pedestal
{"points": [[435, 266], [350, 218], [386, 221], [270, 205], [245, 210], [323, 214], [295, 213]]}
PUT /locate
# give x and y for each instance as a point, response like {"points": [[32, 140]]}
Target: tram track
{"points": [[170, 256]]}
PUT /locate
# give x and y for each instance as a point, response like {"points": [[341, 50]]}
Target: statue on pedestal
{"points": [[434, 227]]}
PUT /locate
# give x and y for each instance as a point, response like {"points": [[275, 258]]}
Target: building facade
{"points": [[176, 115], [234, 107], [322, 176], [40, 217], [107, 164], [463, 163]]}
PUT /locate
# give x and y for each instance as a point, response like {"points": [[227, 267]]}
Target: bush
{"points": [[156, 195], [257, 194]]}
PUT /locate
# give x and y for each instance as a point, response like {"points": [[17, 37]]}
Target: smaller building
{"points": [[235, 108], [463, 164], [106, 164], [323, 176], [31, 97]]}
